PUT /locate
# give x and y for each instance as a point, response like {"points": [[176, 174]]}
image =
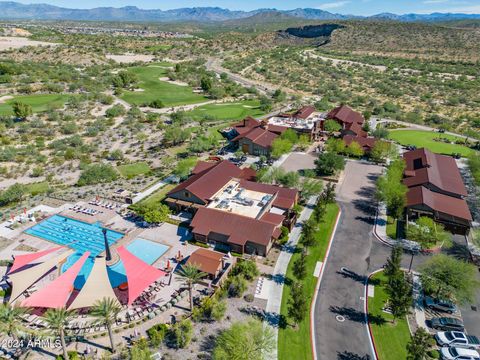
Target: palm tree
{"points": [[57, 320], [192, 275], [106, 311], [10, 318]]}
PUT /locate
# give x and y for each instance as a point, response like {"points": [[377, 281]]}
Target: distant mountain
{"points": [[10, 10]]}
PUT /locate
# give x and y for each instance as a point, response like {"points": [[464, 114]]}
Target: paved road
{"points": [[356, 248], [351, 246]]}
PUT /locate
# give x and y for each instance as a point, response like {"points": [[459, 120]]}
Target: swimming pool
{"points": [[82, 237], [75, 234]]}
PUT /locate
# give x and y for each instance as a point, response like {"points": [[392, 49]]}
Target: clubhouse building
{"points": [[232, 212], [436, 189]]}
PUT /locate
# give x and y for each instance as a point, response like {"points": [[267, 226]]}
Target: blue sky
{"points": [[356, 7]]}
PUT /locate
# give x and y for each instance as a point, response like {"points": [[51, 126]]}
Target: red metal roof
{"points": [[22, 260], [259, 136], [56, 293], [139, 274], [239, 229], [202, 166], [206, 183], [367, 143], [304, 112], [346, 115], [246, 125], [275, 219], [420, 195], [356, 128], [424, 166], [206, 260]]}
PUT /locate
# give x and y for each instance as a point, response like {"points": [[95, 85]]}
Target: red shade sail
{"points": [[55, 294], [22, 260], [139, 274]]}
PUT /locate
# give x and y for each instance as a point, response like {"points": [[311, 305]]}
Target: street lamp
{"points": [[107, 247]]}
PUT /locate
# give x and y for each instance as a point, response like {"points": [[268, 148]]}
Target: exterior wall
{"points": [[251, 148], [256, 249], [222, 240], [186, 195], [452, 224]]}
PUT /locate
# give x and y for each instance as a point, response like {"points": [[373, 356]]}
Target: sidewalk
{"points": [[276, 285], [380, 231]]}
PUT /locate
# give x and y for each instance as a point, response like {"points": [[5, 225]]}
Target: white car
{"points": [[455, 353], [457, 339]]}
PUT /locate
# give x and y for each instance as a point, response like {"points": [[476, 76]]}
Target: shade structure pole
{"points": [[107, 247]]}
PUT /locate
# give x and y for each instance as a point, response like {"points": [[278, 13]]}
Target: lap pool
{"points": [[82, 237]]}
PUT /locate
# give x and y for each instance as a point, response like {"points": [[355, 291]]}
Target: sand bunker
{"points": [[5, 98], [130, 58], [176, 82]]}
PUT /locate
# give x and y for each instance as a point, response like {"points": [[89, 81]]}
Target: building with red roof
{"points": [[231, 211], [344, 115], [436, 189]]}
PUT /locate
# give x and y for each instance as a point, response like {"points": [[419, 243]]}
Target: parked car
{"points": [[440, 305], [447, 324], [457, 339], [456, 353]]}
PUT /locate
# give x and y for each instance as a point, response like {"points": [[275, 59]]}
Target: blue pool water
{"points": [[77, 235], [82, 237]]}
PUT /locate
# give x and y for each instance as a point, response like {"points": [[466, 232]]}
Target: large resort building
{"points": [[436, 189], [231, 212]]}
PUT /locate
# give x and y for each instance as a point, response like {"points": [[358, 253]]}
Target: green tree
{"points": [[280, 146], [332, 126], [247, 268], [399, 293], [393, 264], [184, 167], [419, 345], [206, 84], [380, 133], [300, 266], [175, 135], [297, 303], [310, 187], [191, 275], [335, 145], [290, 135], [21, 110], [97, 174], [210, 309], [106, 311], [265, 104], [13, 194], [157, 214], [57, 320], [308, 238], [180, 334], [244, 341], [329, 163], [391, 190], [354, 149], [11, 319], [428, 233], [449, 278], [382, 150]]}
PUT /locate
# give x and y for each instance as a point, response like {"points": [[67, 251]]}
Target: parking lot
{"points": [[299, 161]]}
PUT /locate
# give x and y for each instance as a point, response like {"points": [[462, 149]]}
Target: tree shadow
{"points": [[459, 251], [208, 343], [347, 355], [352, 314], [354, 276]]}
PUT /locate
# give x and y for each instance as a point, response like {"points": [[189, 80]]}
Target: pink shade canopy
{"points": [[56, 293], [139, 273], [22, 260]]}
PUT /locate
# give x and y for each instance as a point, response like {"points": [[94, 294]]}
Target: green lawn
{"points": [[39, 103], [295, 344], [155, 89], [228, 111], [391, 227], [132, 170], [155, 199], [425, 139], [37, 188], [390, 340]]}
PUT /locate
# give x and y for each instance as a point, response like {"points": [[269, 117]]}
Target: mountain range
{"points": [[12, 10]]}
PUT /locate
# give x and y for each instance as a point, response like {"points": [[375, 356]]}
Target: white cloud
{"points": [[472, 9], [333, 5]]}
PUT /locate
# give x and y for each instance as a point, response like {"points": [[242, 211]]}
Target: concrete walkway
{"points": [[142, 195], [276, 285]]}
